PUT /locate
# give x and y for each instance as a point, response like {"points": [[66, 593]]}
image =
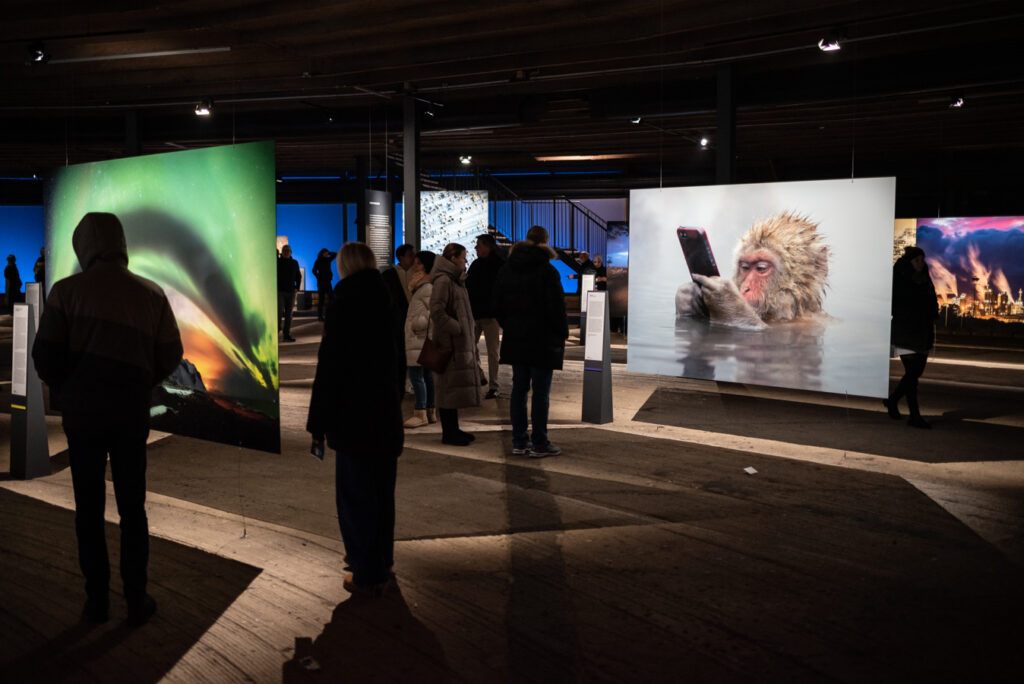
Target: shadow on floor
{"points": [[954, 437], [42, 635], [370, 640]]}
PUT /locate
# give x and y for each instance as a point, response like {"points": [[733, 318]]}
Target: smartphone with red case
{"points": [[697, 251]]}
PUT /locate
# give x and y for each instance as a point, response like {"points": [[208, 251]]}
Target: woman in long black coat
{"points": [[914, 310], [355, 404]]}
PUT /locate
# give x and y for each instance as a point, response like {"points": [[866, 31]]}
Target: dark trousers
{"points": [[522, 379], [913, 368], [88, 446], [324, 296], [285, 305], [365, 488]]}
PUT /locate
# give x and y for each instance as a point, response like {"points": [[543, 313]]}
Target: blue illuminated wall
{"points": [[311, 227], [308, 227], [21, 234]]}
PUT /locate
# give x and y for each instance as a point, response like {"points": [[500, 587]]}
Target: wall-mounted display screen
{"points": [[201, 224], [452, 216], [803, 295]]}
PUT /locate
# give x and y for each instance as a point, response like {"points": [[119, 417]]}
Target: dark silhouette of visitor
{"points": [[289, 278], [106, 338], [324, 280], [12, 281], [914, 310], [397, 280], [356, 408], [483, 273], [39, 270], [451, 327], [530, 305]]}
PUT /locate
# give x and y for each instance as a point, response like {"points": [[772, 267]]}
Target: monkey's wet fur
{"points": [[781, 273]]}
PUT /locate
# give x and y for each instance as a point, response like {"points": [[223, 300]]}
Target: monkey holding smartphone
{"points": [[780, 276]]}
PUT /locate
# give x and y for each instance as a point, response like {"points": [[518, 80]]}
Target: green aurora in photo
{"points": [[201, 224]]}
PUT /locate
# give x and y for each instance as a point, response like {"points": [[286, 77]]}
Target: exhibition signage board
{"points": [[380, 226], [595, 337], [586, 285], [781, 284], [30, 455], [19, 348], [597, 368], [201, 224]]}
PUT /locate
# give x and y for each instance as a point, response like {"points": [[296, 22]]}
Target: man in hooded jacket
{"points": [[530, 306], [106, 338]]}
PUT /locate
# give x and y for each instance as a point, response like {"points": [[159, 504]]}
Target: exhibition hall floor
{"points": [[711, 533]]}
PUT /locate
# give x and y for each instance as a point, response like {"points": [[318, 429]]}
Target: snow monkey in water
{"points": [[781, 273]]}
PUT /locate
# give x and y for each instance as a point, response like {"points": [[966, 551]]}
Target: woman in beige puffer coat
{"points": [[451, 320], [416, 321]]}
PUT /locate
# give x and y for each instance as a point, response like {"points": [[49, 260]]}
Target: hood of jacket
{"points": [[446, 267], [99, 237], [529, 254]]}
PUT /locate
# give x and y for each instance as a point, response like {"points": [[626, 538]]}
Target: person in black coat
{"points": [[324, 280], [106, 338], [289, 278], [914, 310], [530, 306], [397, 279], [483, 274], [355, 406]]}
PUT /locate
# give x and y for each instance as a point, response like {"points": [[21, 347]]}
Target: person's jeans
{"points": [[88, 446], [522, 378], [422, 380]]}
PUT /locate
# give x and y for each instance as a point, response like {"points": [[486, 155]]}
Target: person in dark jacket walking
{"points": [[289, 278], [530, 306], [324, 280], [355, 406], [914, 310], [106, 338], [483, 273]]}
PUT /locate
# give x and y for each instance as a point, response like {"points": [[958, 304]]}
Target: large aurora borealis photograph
{"points": [[202, 225]]}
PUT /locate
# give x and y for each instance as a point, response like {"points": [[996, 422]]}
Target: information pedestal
{"points": [[597, 361], [30, 453]]}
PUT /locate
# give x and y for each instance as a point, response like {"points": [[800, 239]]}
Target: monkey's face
{"points": [[756, 273]]}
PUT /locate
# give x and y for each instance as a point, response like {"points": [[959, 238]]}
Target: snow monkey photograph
{"points": [[774, 284]]}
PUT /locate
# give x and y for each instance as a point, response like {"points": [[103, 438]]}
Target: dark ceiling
{"points": [[507, 82]]}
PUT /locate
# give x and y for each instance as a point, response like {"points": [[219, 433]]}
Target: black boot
{"points": [[450, 432]]}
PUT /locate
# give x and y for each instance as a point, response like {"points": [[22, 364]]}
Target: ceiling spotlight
{"points": [[704, 141], [956, 101], [204, 107], [466, 160], [830, 43], [37, 54], [636, 121]]}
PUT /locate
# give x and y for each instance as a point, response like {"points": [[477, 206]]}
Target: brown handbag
{"points": [[433, 356]]}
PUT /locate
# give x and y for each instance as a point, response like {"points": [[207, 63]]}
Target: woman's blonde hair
{"points": [[355, 257], [452, 251]]}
